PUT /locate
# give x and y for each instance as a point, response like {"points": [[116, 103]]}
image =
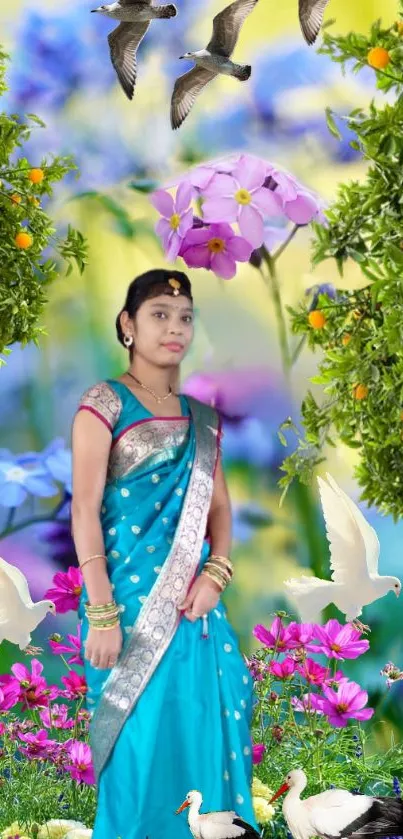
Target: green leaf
{"points": [[331, 124]]}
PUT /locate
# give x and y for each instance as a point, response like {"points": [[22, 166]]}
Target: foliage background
{"points": [[60, 70]]}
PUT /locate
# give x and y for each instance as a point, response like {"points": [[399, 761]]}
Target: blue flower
{"points": [[23, 475], [249, 440], [396, 787], [58, 461]]}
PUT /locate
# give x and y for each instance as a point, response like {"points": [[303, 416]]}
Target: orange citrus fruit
{"points": [[316, 319], [23, 240], [16, 199], [346, 339], [378, 58], [360, 391], [36, 176]]}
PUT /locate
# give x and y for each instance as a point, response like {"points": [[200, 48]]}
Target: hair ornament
{"points": [[175, 284]]}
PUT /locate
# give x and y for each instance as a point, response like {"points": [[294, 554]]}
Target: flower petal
{"points": [[186, 222], [251, 225], [268, 202], [183, 196], [197, 256], [302, 210], [163, 202], [221, 186], [223, 265], [239, 248], [174, 245], [250, 171], [220, 209]]}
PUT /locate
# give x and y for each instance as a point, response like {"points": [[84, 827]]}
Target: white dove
{"points": [[354, 554], [19, 615]]}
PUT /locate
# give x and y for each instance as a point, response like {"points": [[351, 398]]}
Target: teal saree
{"points": [[174, 713]]}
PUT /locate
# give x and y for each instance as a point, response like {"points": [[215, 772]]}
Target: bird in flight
{"points": [[212, 61], [354, 555], [311, 18], [135, 17]]}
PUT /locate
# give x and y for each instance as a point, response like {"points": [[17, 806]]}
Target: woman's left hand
{"points": [[201, 598]]}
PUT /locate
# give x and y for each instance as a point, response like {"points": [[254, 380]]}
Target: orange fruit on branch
{"points": [[36, 176], [316, 319], [23, 240], [360, 391], [378, 58]]}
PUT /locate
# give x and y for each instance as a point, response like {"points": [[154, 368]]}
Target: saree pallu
{"points": [[174, 713]]}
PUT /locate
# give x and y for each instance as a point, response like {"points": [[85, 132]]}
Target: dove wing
{"points": [[185, 92], [136, 2], [311, 18], [347, 546], [123, 44], [227, 25], [18, 578], [369, 535], [10, 596]]}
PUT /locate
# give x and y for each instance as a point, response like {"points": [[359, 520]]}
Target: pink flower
{"points": [[68, 589], [302, 633], [344, 704], [177, 217], [38, 744], [258, 751], [294, 200], [34, 692], [80, 762], [9, 695], [76, 686], [56, 716], [242, 197], [337, 641], [392, 673], [283, 669], [75, 648], [305, 704], [315, 674], [277, 637], [216, 248]]}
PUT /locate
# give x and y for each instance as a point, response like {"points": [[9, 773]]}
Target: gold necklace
{"points": [[156, 397]]}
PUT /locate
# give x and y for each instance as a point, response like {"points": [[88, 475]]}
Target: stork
{"points": [[221, 824], [338, 813]]}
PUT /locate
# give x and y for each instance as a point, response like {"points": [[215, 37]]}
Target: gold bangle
{"points": [[99, 606], [215, 578], [223, 560], [219, 570], [103, 628], [95, 556], [222, 565]]}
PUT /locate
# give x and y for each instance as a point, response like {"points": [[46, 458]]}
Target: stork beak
{"points": [[182, 807], [279, 792]]}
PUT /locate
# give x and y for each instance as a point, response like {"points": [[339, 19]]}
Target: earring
{"points": [[128, 340]]}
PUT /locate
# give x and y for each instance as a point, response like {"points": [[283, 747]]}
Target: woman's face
{"points": [[163, 329]]}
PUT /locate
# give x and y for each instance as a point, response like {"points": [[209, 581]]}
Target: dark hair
{"points": [[148, 285]]}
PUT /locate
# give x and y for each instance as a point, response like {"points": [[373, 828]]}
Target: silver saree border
{"points": [[159, 618]]}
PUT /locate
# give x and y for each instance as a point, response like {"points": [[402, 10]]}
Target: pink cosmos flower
{"points": [[337, 641], [76, 686], [9, 695], [277, 637], [344, 704], [75, 648], [258, 751], [56, 716], [79, 764], [304, 704], [302, 633], [283, 669], [241, 197], [216, 248], [38, 744], [34, 692], [177, 217], [68, 589], [315, 674]]}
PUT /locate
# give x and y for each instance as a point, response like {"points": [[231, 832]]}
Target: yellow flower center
{"points": [[335, 647], [342, 707], [216, 245], [175, 221], [243, 196]]}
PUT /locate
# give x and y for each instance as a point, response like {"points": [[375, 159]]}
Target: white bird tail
{"points": [[311, 595]]}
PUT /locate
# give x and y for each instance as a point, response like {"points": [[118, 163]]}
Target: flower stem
{"points": [[272, 283], [284, 244]]}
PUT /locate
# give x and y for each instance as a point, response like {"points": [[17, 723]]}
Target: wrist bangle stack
{"points": [[219, 569], [103, 616]]}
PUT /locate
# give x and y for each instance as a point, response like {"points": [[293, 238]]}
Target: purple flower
{"points": [[177, 217], [216, 248], [296, 202], [277, 637], [344, 704], [242, 197], [304, 704], [258, 751], [337, 641]]}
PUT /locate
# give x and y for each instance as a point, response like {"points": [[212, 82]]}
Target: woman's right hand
{"points": [[102, 647]]}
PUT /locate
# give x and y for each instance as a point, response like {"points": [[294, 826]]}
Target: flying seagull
{"points": [[354, 554], [19, 616], [135, 17], [311, 18], [213, 60]]}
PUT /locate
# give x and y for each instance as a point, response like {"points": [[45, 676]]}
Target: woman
{"points": [[169, 693]]}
